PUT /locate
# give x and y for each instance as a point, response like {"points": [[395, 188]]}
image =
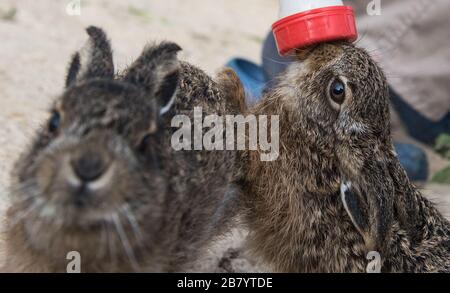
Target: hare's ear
{"points": [[356, 208], [157, 71], [368, 200], [94, 60], [232, 89], [406, 205]]}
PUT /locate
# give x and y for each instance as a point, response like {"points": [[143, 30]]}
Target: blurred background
{"points": [[37, 38]]}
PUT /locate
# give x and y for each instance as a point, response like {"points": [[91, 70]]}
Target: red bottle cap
{"points": [[315, 26]]}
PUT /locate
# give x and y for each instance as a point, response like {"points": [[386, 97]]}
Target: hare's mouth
{"points": [[81, 193], [67, 208], [51, 215], [101, 240]]}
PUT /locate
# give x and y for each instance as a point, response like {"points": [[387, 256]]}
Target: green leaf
{"points": [[443, 145], [141, 13], [9, 15], [442, 176]]}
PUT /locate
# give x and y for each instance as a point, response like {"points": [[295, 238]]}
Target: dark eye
{"points": [[145, 142], [54, 122], [337, 91]]}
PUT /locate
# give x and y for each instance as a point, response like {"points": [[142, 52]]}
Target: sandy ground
{"points": [[37, 39]]}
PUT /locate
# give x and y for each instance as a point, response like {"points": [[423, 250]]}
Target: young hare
{"points": [[333, 105], [102, 178]]}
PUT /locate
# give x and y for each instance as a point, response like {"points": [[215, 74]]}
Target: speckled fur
{"points": [[293, 206], [179, 201]]}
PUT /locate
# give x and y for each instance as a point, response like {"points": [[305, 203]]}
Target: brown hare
{"points": [[337, 190], [102, 179]]}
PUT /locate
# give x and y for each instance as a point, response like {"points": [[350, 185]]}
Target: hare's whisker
{"points": [[277, 61], [126, 210], [111, 243], [125, 242], [23, 214]]}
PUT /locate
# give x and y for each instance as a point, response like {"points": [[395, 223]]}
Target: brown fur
{"points": [[293, 206], [160, 207], [231, 85]]}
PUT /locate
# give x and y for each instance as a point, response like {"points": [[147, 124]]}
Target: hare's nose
{"points": [[89, 166]]}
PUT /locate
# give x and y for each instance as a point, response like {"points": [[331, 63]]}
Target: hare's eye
{"points": [[337, 91], [144, 143], [55, 120]]}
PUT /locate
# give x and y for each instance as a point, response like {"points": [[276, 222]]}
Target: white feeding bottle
{"points": [[306, 22]]}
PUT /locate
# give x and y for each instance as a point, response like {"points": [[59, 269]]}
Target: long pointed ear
{"points": [[157, 71], [356, 208], [406, 205], [95, 59], [368, 200], [231, 87]]}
